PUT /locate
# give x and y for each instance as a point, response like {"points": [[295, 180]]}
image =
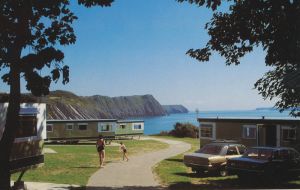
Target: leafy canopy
{"points": [[271, 24], [37, 26]]}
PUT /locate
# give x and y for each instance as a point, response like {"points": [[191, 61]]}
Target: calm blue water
{"points": [[153, 125]]}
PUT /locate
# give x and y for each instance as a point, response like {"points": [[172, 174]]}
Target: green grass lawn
{"points": [[172, 170], [174, 174], [74, 164]]}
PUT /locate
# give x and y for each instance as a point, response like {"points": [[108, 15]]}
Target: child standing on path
{"points": [[124, 151], [100, 148]]}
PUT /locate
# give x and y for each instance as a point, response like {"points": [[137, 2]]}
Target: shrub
{"points": [[184, 130], [164, 133]]}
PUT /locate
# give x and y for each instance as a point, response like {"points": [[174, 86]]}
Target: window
{"points": [[288, 133], [123, 126], [105, 127], [249, 131], [49, 128], [241, 149], [137, 127], [232, 150], [28, 126], [69, 126], [211, 149], [206, 130], [82, 127]]}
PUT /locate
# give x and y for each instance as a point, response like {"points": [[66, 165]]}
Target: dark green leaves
{"points": [[90, 3], [213, 4]]}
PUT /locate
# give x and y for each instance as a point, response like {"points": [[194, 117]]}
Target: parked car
{"points": [[213, 157], [266, 162]]}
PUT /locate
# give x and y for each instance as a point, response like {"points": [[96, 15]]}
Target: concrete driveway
{"points": [[137, 172]]}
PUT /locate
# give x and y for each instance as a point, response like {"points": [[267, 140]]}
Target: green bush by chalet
{"points": [[184, 130]]}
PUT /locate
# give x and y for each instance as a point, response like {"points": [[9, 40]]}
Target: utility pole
{"points": [[197, 115]]}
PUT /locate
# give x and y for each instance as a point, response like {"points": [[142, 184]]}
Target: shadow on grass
{"points": [[232, 182], [126, 188], [77, 188], [174, 160], [195, 175], [86, 167]]}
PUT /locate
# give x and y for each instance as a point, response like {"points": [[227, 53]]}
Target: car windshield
{"points": [[258, 153], [210, 149]]}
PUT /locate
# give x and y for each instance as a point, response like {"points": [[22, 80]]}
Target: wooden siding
{"points": [[230, 131], [60, 130], [26, 149]]}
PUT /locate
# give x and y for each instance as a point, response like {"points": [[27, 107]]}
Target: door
{"points": [[270, 135]]}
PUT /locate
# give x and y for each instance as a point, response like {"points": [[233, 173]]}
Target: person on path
{"points": [[124, 151], [101, 149]]}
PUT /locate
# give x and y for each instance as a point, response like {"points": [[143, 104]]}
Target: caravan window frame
{"points": [[212, 129], [122, 126], [35, 122], [67, 126], [137, 124], [50, 125], [83, 124], [108, 127], [289, 128], [246, 128]]}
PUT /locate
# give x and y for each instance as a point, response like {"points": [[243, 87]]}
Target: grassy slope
{"points": [[173, 173], [74, 164]]}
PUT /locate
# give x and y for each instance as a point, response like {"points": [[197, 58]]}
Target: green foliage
{"points": [[163, 133], [273, 25], [184, 130]]}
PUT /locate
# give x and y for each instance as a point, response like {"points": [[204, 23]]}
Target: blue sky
{"points": [[138, 47]]}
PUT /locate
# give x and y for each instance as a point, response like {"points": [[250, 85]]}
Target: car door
{"points": [[294, 162]]}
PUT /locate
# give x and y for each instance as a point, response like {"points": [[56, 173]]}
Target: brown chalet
{"points": [[251, 131]]}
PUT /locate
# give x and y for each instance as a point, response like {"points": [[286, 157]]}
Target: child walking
{"points": [[124, 151]]}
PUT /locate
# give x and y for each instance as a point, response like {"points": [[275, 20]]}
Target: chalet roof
{"points": [[130, 121], [81, 120], [261, 120]]}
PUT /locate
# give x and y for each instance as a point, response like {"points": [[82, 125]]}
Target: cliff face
{"points": [[66, 105], [175, 109]]}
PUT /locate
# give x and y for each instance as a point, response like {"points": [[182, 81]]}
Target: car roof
{"points": [[225, 144]]}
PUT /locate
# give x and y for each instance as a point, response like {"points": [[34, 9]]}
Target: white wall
{"points": [[41, 120]]}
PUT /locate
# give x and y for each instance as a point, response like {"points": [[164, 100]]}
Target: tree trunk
{"points": [[12, 122]]}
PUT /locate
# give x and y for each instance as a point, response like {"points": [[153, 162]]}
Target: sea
{"points": [[154, 125]]}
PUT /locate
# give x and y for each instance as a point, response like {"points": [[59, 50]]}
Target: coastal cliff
{"points": [[66, 105], [175, 109]]}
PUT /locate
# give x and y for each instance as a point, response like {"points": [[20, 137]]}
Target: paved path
{"points": [[137, 173]]}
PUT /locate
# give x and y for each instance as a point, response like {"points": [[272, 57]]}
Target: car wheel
{"points": [[223, 172]]}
